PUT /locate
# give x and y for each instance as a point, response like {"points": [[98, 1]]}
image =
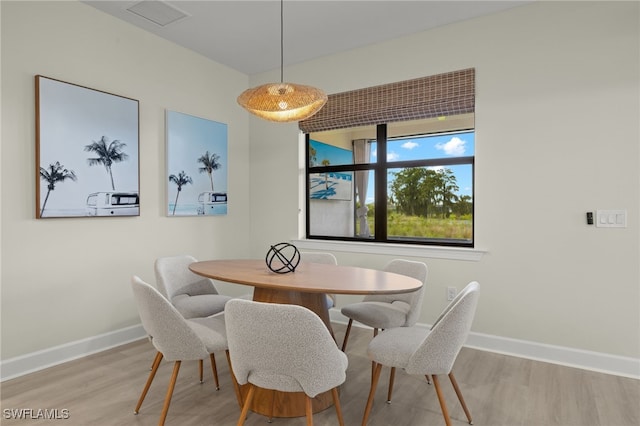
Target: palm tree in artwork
{"points": [[107, 154], [180, 180], [210, 162], [325, 163], [54, 174]]}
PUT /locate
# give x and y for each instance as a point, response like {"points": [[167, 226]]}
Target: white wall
{"points": [[68, 279], [557, 134]]}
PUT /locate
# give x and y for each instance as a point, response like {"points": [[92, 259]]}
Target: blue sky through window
{"points": [[431, 147]]}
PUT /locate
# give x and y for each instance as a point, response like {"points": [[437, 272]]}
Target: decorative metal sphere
{"points": [[283, 258]]}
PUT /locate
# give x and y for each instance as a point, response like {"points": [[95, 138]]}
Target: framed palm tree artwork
{"points": [[87, 152], [196, 166]]}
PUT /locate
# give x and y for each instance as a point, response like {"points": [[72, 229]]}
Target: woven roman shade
{"points": [[438, 95]]}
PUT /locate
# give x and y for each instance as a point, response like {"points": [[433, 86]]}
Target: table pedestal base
{"points": [[284, 404], [316, 302]]}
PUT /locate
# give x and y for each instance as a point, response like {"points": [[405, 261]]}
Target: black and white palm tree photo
{"points": [[82, 128]]}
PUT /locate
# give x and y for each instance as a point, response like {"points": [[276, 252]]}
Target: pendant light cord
{"points": [[281, 41], [284, 102]]}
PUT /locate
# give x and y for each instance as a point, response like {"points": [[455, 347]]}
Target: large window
{"points": [[394, 163], [402, 182]]}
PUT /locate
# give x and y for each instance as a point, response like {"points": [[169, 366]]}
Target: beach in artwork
{"points": [[331, 186]]}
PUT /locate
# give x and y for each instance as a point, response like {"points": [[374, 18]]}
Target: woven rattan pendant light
{"points": [[282, 102]]}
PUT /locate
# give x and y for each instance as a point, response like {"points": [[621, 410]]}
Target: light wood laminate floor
{"points": [[102, 390]]}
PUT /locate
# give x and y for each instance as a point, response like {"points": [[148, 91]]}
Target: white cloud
{"points": [[410, 145], [392, 156], [454, 147]]}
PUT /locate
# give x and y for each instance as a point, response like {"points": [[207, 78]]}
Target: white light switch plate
{"points": [[611, 218]]}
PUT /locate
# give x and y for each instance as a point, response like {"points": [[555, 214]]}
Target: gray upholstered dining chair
{"points": [[321, 257], [175, 338], [192, 295], [383, 311], [283, 347], [424, 352]]}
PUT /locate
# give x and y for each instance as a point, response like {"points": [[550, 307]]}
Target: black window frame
{"points": [[381, 167]]}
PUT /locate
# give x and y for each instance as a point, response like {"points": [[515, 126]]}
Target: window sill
{"points": [[450, 253]]}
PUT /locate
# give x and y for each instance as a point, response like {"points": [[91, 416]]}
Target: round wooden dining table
{"points": [[307, 286]]}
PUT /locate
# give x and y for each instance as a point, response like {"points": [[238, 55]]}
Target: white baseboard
{"points": [[586, 360], [577, 358], [35, 361]]}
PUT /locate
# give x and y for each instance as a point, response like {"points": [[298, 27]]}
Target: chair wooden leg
{"points": [[392, 377], [152, 374], [373, 364], [236, 387], [201, 370], [308, 409], [245, 408], [443, 404], [214, 369], [372, 393], [346, 335], [336, 402], [167, 399], [273, 405], [460, 398]]}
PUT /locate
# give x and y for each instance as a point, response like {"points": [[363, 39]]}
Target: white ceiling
{"points": [[245, 35]]}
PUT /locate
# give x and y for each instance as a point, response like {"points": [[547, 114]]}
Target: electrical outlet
{"points": [[451, 293]]}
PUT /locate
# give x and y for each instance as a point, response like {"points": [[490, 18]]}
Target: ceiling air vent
{"points": [[159, 12]]}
